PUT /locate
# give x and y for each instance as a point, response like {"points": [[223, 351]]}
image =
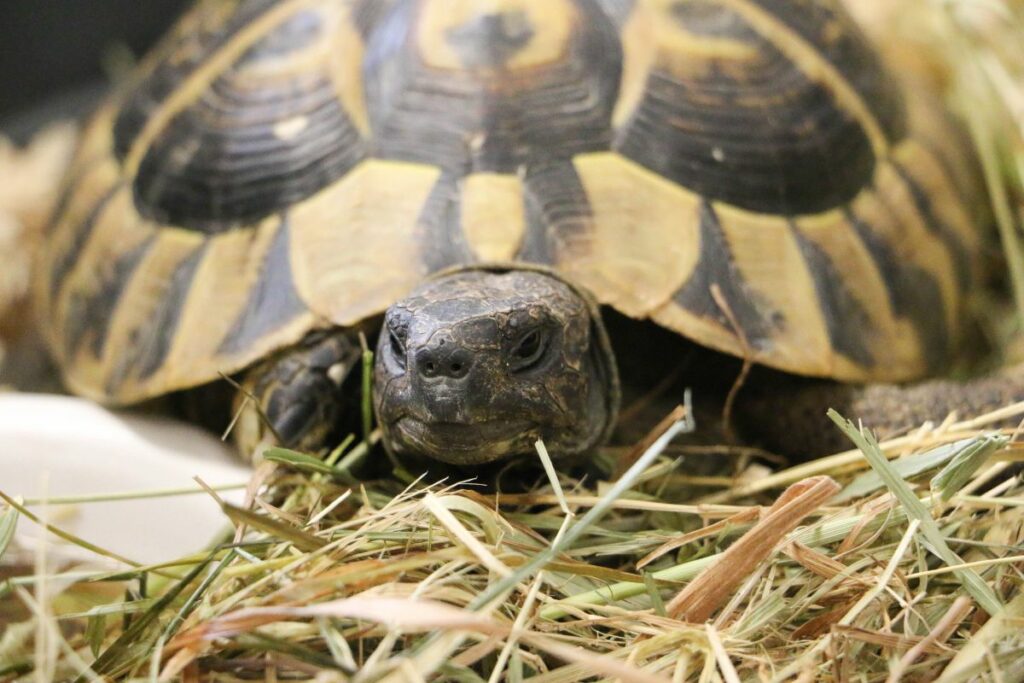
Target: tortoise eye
{"points": [[528, 351], [397, 347]]}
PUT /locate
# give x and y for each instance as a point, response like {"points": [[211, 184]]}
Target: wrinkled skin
{"points": [[297, 395], [475, 366]]}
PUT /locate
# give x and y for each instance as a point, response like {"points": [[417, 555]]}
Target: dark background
{"points": [[52, 52]]}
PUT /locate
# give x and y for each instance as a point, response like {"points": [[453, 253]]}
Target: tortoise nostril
{"points": [[449, 360]]}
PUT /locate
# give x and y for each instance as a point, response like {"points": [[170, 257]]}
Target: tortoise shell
{"points": [[743, 172]]}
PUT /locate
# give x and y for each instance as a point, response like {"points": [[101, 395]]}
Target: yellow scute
{"points": [[645, 238], [493, 215], [354, 244]]}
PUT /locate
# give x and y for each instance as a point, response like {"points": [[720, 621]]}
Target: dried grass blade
{"points": [[807, 659], [815, 562], [630, 458], [517, 628], [366, 404], [910, 466], [1012, 559], [721, 656], [549, 469], [133, 645], [69, 537], [822, 623], [408, 614], [456, 529], [681, 422], [709, 530], [190, 603], [831, 531], [965, 463], [973, 583], [709, 591], [276, 528], [150, 494], [599, 664], [893, 641], [300, 461], [957, 612], [1002, 634], [592, 571]]}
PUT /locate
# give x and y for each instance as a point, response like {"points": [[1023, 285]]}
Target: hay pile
{"points": [[909, 568], [899, 561]]}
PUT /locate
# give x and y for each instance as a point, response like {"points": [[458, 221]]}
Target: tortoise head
{"points": [[476, 365]]}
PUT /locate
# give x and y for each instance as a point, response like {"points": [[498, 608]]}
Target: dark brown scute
{"points": [[191, 50], [913, 294], [65, 262], [937, 226], [273, 299], [617, 10], [482, 119], [439, 229], [773, 141], [845, 318], [238, 170], [153, 341], [716, 268], [223, 161], [850, 52], [490, 40], [557, 210], [90, 313]]}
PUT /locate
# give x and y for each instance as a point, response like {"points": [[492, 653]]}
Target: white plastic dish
{"points": [[57, 446]]}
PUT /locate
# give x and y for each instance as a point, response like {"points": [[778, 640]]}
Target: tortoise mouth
{"points": [[466, 443]]}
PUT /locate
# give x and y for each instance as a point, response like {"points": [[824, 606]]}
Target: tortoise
{"points": [[482, 182]]}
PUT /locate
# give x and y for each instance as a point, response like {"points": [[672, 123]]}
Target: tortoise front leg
{"points": [[295, 399]]}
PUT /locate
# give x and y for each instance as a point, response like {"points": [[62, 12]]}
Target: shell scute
{"points": [[744, 172]]}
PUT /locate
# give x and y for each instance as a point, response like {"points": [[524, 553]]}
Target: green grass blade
{"points": [[300, 461], [911, 466], [8, 525], [134, 644], [274, 527], [190, 604], [936, 541], [965, 463], [95, 631], [69, 537], [540, 560], [999, 643]]}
